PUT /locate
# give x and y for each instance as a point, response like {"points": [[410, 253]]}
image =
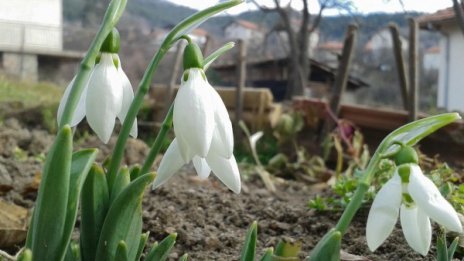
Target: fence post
{"points": [[400, 64]]}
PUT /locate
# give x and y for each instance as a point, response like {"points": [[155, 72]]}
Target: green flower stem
{"points": [[176, 33], [111, 18], [352, 208], [155, 148]]}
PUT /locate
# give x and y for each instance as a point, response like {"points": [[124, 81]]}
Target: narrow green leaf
{"points": [[287, 249], [268, 255], [328, 248], [135, 172], [249, 247], [121, 252], [94, 206], [143, 242], [120, 183], [73, 252], [81, 163], [452, 248], [216, 54], [49, 218], [121, 220], [160, 252], [184, 257], [26, 255], [442, 250]]}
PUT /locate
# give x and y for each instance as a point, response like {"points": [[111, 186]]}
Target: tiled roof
{"points": [[437, 17], [248, 24]]}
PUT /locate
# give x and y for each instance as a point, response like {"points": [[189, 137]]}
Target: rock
{"points": [[13, 224]]}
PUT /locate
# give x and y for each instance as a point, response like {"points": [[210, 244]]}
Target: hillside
{"points": [[161, 13]]}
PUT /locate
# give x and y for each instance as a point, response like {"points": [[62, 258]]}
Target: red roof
{"points": [[331, 45], [433, 49], [248, 25], [439, 16]]}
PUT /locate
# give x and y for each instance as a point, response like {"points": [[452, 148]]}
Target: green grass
{"points": [[29, 94]]}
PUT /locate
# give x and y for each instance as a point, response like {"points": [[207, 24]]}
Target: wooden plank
{"points": [[413, 69], [400, 64]]}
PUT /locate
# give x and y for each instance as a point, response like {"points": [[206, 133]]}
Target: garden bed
{"points": [[210, 221]]}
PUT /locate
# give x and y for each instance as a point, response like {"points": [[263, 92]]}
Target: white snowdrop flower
{"points": [[203, 134], [107, 95], [416, 199]]}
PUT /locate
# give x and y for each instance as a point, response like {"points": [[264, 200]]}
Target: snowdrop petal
{"points": [[202, 168], [416, 228], [193, 116], [104, 98], [383, 214], [429, 199], [226, 170], [79, 112], [169, 165], [223, 139], [127, 97]]}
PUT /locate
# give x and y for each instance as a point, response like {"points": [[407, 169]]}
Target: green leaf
{"points": [[195, 20], [268, 255], [47, 227], [80, 166], [124, 216], [328, 248], [216, 54], [94, 206], [135, 172], [143, 242], [26, 255], [160, 252], [121, 252], [73, 252], [442, 250], [249, 247], [287, 249], [452, 248], [120, 183], [184, 257]]}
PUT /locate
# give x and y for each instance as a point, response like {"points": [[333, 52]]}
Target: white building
{"points": [[431, 59], [451, 62], [32, 37], [244, 30]]}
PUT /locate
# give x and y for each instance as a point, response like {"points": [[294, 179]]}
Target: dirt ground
{"points": [[210, 221]]}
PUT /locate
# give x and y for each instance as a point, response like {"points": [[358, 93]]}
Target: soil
{"points": [[210, 220]]}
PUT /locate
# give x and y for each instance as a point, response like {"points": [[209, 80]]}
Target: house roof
{"points": [[246, 24], [439, 17], [331, 46], [433, 49], [353, 82]]}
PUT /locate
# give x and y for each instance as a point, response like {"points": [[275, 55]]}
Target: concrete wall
{"points": [[451, 77], [31, 25]]}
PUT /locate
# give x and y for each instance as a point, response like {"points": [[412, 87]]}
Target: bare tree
{"points": [[298, 31]]}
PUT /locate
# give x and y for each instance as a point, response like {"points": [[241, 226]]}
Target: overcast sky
{"points": [[362, 6]]}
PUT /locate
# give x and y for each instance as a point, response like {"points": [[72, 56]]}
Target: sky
{"points": [[361, 6]]}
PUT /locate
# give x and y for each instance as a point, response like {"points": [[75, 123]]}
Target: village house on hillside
{"points": [[451, 61], [244, 30], [31, 42], [379, 46], [272, 73]]}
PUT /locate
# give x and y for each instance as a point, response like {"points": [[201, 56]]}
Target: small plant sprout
{"points": [[107, 94], [415, 197], [202, 127]]}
